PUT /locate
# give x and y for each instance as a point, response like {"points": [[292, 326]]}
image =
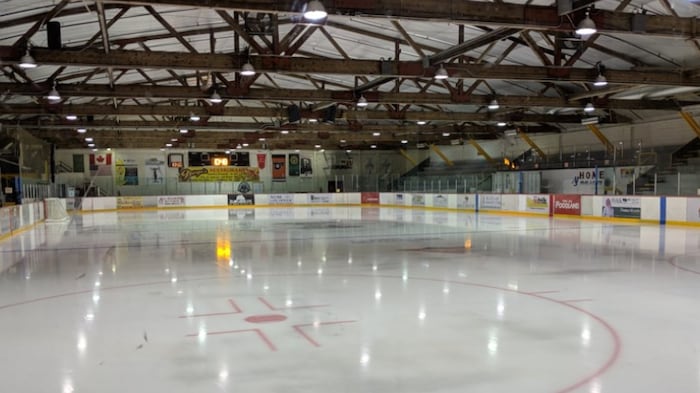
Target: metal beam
{"points": [[601, 137], [408, 69], [441, 155], [278, 113], [480, 150], [525, 16], [691, 122], [319, 95]]}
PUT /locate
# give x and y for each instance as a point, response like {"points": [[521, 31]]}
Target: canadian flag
{"points": [[100, 159]]}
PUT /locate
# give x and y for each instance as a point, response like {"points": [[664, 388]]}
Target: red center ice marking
{"points": [[267, 318]]}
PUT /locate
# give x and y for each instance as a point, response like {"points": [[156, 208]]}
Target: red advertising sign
{"points": [[370, 197], [567, 204]]}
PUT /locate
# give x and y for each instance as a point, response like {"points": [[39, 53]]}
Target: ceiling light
{"points": [[246, 145], [313, 120], [600, 80], [493, 105], [376, 133], [441, 73], [317, 146], [239, 146], [215, 98], [194, 117], [91, 145], [362, 102], [261, 139], [322, 150], [88, 139], [27, 61], [348, 151], [404, 141], [421, 122], [586, 27], [109, 149], [343, 141], [445, 134], [168, 145], [173, 139], [247, 69], [184, 130], [94, 149], [373, 147], [284, 132], [71, 117], [81, 130], [53, 93], [501, 124], [314, 10], [589, 108]]}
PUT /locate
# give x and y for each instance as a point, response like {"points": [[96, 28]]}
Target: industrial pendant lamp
{"points": [[441, 73], [53, 93], [194, 117], [600, 80], [589, 108], [493, 105], [215, 98], [586, 27], [314, 10], [362, 102], [247, 69], [27, 61]]}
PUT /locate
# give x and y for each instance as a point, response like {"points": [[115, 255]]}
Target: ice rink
{"points": [[361, 300]]}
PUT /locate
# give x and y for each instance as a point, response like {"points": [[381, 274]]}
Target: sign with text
{"points": [[218, 173], [490, 201], [129, 202], [537, 203], [370, 197], [281, 199], [466, 201], [568, 204], [238, 199], [171, 201], [320, 198], [622, 207]]}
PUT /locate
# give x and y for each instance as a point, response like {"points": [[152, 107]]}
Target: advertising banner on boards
{"points": [[568, 204], [622, 207]]}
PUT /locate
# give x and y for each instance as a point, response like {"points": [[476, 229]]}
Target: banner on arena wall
{"points": [[693, 210], [320, 198], [239, 199], [171, 201], [294, 165], [567, 204], [439, 200], [490, 201], [399, 199], [417, 200], [155, 171], [218, 173], [537, 203], [622, 207], [279, 167], [262, 157], [280, 199], [127, 172], [370, 198], [466, 201], [128, 202], [305, 169]]}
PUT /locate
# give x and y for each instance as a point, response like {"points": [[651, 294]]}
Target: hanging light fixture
{"points": [[194, 117], [71, 117], [247, 69], [215, 98], [27, 61], [441, 73], [600, 80], [53, 93], [586, 27], [314, 10], [589, 108], [493, 105], [362, 102]]}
